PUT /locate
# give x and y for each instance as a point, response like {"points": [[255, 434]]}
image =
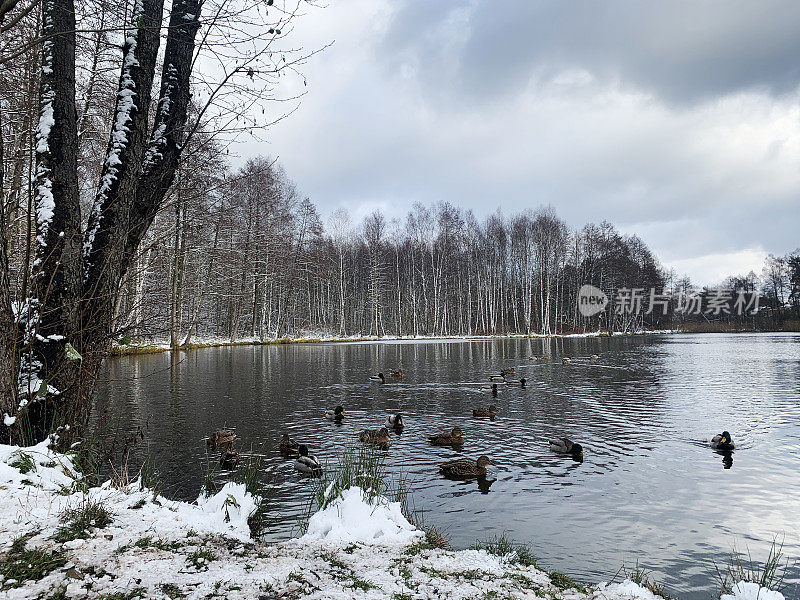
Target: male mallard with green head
{"points": [[722, 441], [335, 414], [305, 463], [380, 378], [394, 421], [566, 446], [464, 468], [454, 438]]}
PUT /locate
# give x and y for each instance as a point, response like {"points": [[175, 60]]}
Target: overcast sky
{"points": [[677, 121]]}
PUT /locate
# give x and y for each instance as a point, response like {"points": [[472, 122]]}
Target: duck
{"points": [[465, 468], [395, 421], [374, 436], [500, 377], [595, 357], [722, 441], [380, 378], [520, 382], [494, 390], [289, 446], [508, 371], [566, 360], [454, 438], [566, 446], [485, 412], [396, 373], [221, 437], [335, 414], [305, 463], [229, 458]]}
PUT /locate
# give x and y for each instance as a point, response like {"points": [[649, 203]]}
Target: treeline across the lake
{"points": [[243, 255]]}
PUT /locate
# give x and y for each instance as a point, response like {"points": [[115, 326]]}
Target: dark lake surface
{"points": [[649, 490]]}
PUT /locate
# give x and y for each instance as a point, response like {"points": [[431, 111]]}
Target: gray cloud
{"points": [[676, 121]]}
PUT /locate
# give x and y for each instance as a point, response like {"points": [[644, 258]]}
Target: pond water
{"points": [[649, 490]]}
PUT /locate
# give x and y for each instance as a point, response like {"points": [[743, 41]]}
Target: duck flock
{"points": [[454, 469]]}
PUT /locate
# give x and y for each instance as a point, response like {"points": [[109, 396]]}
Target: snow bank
{"points": [[350, 519], [159, 548], [745, 590], [627, 590]]}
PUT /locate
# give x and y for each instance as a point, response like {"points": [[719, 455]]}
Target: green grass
{"points": [[641, 577], [23, 565], [172, 591], [23, 463], [139, 504], [78, 522], [201, 558], [361, 584], [502, 545], [565, 582], [769, 574]]}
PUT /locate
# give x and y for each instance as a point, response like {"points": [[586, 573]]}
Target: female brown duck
{"points": [[465, 468]]}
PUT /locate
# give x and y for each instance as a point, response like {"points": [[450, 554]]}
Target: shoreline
{"points": [[155, 347], [158, 347], [122, 541]]}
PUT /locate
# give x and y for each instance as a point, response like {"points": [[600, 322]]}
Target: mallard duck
{"points": [[485, 412], [395, 421], [396, 373], [454, 438], [229, 458], [508, 371], [565, 446], [335, 414], [380, 378], [221, 437], [374, 436], [494, 390], [465, 468], [722, 441], [520, 382], [500, 377], [289, 446], [543, 357], [595, 357], [566, 360], [305, 463]]}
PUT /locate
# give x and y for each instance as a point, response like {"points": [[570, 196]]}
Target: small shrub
{"points": [[78, 522], [23, 463]]}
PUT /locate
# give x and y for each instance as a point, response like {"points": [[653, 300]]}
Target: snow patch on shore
{"points": [[351, 519], [746, 590]]}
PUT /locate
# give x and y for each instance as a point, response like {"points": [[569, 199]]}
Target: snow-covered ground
{"points": [[157, 548]]}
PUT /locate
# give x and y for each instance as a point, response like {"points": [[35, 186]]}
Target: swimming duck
{"points": [[485, 412], [229, 458], [500, 377], [595, 357], [396, 373], [520, 382], [508, 371], [380, 378], [566, 360], [454, 438], [305, 463], [221, 437], [494, 390], [335, 414], [465, 468], [374, 436], [395, 421], [565, 446], [722, 441], [289, 446]]}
